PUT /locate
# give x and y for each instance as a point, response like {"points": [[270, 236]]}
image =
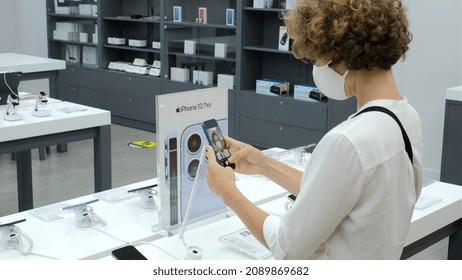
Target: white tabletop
{"points": [[127, 221], [28, 63], [430, 219], [454, 93], [424, 222], [57, 122]]}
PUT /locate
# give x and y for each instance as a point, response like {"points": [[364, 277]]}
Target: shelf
{"points": [[205, 25], [128, 48], [80, 17], [269, 10], [74, 43], [198, 56], [128, 19], [266, 50]]}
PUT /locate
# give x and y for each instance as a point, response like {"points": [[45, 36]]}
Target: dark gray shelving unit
{"points": [[252, 53], [451, 164]]}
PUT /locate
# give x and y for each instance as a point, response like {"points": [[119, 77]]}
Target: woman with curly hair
{"points": [[356, 196]]}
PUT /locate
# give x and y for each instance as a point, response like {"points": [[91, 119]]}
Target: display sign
{"points": [[180, 139]]}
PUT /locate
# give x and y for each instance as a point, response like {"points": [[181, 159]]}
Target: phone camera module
{"points": [[194, 143], [192, 168]]}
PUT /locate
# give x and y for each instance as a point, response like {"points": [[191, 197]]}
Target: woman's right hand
{"points": [[248, 159]]}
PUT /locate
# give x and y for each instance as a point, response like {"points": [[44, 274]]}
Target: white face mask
{"points": [[329, 82]]}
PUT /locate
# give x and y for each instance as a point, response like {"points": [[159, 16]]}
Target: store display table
{"points": [[68, 122]]}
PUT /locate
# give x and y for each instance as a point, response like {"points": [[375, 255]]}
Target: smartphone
{"points": [[128, 253], [12, 223], [291, 197], [217, 141]]}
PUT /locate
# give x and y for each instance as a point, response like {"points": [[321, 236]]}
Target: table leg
{"points": [[24, 174], [102, 159], [455, 245]]}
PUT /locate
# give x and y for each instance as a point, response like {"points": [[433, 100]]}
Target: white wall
{"points": [[23, 30], [433, 63]]}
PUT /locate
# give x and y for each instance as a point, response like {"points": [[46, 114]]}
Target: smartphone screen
{"points": [[128, 253], [217, 141]]}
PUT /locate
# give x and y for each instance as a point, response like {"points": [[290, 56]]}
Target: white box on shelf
{"points": [[202, 15], [268, 86], [85, 9], [220, 50], [66, 35], [179, 74], [177, 13], [225, 81], [137, 69], [154, 72], [94, 10], [259, 3], [89, 55], [230, 17], [155, 45], [122, 65], [83, 37], [290, 4], [140, 62], [156, 64], [115, 41], [302, 92], [137, 43], [189, 47], [283, 39], [202, 77], [94, 38]]}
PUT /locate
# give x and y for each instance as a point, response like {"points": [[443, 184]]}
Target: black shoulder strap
{"points": [[407, 143]]}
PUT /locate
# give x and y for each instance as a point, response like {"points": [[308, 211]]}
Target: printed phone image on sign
{"points": [[193, 139]]}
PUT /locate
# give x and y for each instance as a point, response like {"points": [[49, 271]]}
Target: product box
{"points": [[230, 15], [271, 87], [94, 38], [202, 15], [156, 64], [154, 72], [137, 69], [225, 81], [94, 10], [83, 37], [189, 47], [177, 13], [202, 77], [259, 3], [179, 74], [85, 9], [283, 44], [220, 50], [66, 35], [155, 45], [137, 43], [290, 4], [302, 92], [115, 41]]}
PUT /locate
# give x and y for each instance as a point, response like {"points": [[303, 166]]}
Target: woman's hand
{"points": [[248, 159], [221, 180]]}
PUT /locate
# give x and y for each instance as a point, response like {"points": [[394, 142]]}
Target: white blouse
{"points": [[357, 193]]}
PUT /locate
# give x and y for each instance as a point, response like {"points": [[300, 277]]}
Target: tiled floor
{"points": [[68, 175]]}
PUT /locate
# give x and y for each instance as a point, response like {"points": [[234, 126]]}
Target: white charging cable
{"points": [[12, 239], [193, 252]]}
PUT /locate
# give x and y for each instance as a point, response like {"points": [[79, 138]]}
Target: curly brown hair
{"points": [[362, 33]]}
